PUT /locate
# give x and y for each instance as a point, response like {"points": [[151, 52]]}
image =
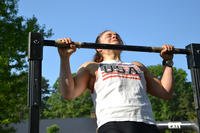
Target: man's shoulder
{"points": [[89, 64], [91, 67], [137, 63], [140, 65]]}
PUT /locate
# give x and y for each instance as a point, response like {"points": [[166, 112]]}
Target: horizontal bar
{"points": [[114, 47], [180, 125]]}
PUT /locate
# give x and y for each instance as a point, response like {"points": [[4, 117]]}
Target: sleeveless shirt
{"points": [[120, 94]]}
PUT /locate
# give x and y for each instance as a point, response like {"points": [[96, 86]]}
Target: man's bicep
{"points": [[81, 80]]}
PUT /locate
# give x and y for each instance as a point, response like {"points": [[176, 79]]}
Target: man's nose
{"points": [[114, 36]]}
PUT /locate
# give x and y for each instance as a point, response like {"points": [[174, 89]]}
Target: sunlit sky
{"points": [[139, 22]]}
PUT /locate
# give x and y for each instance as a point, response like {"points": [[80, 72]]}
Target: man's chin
{"points": [[115, 43]]}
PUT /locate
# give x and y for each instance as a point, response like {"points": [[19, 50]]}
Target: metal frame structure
{"points": [[35, 55]]}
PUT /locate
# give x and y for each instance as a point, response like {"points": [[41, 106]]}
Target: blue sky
{"points": [[139, 22]]}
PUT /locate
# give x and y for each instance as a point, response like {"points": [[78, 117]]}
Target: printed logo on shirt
{"points": [[129, 71]]}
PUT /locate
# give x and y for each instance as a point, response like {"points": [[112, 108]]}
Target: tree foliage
{"points": [[14, 31], [53, 129], [181, 106], [57, 107]]}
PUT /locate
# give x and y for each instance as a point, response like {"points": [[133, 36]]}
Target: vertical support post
{"points": [[35, 54], [193, 60]]}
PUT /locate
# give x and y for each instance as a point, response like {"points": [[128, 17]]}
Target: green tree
{"points": [[14, 31], [181, 106], [57, 107], [53, 129]]}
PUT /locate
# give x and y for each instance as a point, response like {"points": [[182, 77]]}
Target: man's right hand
{"points": [[66, 52]]}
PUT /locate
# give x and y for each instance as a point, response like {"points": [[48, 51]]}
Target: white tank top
{"points": [[120, 94]]}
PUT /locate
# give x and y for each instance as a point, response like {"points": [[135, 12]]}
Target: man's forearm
{"points": [[168, 79], [66, 78]]}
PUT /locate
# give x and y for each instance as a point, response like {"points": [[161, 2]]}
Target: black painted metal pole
{"points": [[194, 65], [35, 54]]}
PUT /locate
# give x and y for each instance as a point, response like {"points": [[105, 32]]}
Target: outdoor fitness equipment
{"points": [[35, 55]]}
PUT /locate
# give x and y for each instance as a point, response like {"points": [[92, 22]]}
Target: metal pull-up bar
{"points": [[89, 45], [35, 55]]}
